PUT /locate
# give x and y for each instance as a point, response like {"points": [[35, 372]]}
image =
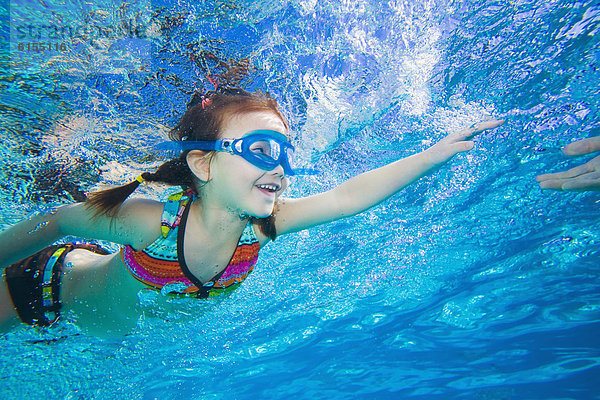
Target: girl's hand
{"points": [[583, 177], [458, 142]]}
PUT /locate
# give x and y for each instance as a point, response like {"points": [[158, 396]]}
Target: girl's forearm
{"points": [[372, 187], [27, 237]]}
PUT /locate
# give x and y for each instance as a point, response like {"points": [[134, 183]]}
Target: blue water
{"points": [[470, 284]]}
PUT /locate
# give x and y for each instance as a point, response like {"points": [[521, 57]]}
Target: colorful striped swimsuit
{"points": [[161, 265]]}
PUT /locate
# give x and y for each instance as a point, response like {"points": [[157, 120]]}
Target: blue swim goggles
{"points": [[265, 149]]}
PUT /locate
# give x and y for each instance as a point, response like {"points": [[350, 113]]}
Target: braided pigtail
{"points": [[173, 172]]}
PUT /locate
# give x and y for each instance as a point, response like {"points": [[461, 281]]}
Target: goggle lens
{"points": [[263, 150], [266, 149]]}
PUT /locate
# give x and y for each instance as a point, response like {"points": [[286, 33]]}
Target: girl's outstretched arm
{"points": [[372, 187], [136, 224]]}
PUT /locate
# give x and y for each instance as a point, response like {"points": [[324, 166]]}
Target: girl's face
{"points": [[241, 186]]}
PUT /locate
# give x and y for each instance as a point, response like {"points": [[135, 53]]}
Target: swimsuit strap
{"points": [[247, 239], [180, 240], [174, 209]]}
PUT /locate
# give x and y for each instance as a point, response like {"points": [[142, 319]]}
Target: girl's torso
{"points": [[100, 291], [162, 264]]}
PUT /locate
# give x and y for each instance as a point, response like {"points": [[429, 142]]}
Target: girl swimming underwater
{"points": [[202, 242]]}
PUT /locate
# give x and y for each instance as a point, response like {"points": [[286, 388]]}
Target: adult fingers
{"points": [[555, 184], [573, 172], [590, 181], [582, 184], [583, 146]]}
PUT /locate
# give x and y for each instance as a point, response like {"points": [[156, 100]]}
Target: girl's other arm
{"points": [[27, 237], [137, 224], [371, 188]]}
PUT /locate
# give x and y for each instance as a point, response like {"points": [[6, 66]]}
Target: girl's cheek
{"points": [[285, 182]]}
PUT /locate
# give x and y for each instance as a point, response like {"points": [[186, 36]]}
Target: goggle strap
{"points": [[227, 145], [188, 145], [306, 171]]}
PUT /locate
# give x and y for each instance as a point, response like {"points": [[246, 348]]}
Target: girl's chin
{"points": [[262, 210], [260, 215]]}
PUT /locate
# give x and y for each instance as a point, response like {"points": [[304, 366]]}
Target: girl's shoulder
{"points": [[155, 208], [140, 207], [156, 218], [142, 216]]}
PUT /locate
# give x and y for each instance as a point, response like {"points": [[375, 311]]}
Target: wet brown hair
{"points": [[204, 120]]}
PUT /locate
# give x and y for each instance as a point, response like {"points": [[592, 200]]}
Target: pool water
{"points": [[470, 284]]}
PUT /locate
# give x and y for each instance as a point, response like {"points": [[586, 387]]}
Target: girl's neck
{"points": [[215, 222]]}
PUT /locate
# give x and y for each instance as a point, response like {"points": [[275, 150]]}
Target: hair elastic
{"points": [[140, 179], [213, 81]]}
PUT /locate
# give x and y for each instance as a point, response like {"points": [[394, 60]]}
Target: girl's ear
{"points": [[199, 163]]}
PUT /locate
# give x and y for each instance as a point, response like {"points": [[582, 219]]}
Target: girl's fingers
{"points": [[583, 146], [478, 127], [458, 142], [485, 125]]}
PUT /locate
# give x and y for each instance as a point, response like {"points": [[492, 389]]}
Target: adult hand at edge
{"points": [[581, 178]]}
